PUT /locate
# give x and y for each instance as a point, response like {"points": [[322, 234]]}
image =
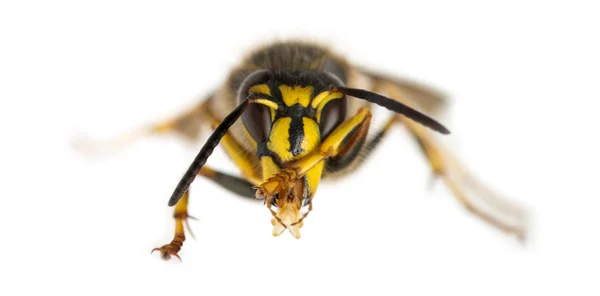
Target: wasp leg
{"points": [[187, 125], [241, 186], [341, 140], [181, 215], [353, 156], [425, 98], [456, 178], [237, 185], [234, 184], [244, 160]]}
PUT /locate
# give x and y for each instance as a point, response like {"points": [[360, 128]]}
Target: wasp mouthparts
{"points": [[288, 217]]}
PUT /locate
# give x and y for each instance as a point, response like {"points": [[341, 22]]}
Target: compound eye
{"points": [[257, 119], [332, 115]]}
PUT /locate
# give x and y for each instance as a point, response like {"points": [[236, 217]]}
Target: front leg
{"points": [[241, 186], [181, 215], [237, 185]]}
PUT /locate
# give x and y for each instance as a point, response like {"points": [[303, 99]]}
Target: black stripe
{"points": [[275, 92], [296, 133]]}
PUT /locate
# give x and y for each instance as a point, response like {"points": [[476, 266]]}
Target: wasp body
{"points": [[305, 116]]}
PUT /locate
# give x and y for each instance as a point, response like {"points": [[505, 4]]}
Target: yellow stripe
{"points": [[312, 136], [296, 94], [335, 139], [260, 88], [269, 168], [279, 139], [315, 102], [313, 177], [323, 101], [267, 103]]}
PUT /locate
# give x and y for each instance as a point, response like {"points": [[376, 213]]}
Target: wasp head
{"points": [[296, 112]]}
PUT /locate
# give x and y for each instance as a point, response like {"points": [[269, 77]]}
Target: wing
{"points": [[472, 194]]}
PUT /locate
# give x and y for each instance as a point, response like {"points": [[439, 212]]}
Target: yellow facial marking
{"points": [[279, 139], [319, 98], [312, 136], [267, 103], [323, 101], [260, 88], [295, 94]]}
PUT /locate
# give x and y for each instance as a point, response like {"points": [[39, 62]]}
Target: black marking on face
{"points": [[296, 135], [296, 110]]}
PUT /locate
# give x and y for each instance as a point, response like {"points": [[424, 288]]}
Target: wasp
{"points": [[305, 117]]}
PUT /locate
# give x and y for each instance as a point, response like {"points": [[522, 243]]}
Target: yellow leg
{"points": [[181, 215], [237, 185], [347, 161], [456, 178], [187, 124], [330, 147], [244, 160], [241, 186]]}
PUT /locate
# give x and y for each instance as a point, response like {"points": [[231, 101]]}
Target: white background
{"points": [[523, 78]]}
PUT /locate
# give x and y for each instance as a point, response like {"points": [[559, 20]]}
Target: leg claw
{"points": [[166, 252]]}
